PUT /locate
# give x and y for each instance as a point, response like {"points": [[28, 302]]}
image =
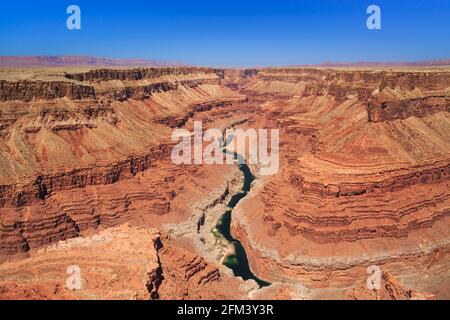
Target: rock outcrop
{"points": [[45, 90], [126, 263]]}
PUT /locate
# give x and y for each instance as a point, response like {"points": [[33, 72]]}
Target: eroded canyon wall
{"points": [[364, 179], [79, 150]]}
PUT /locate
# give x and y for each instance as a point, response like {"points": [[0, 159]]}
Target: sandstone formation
{"points": [[71, 161], [364, 177], [126, 263]]}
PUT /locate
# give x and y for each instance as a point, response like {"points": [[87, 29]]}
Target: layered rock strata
{"points": [[126, 263], [364, 179], [94, 149]]}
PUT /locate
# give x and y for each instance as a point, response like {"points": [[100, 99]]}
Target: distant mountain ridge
{"points": [[423, 63], [64, 61], [89, 61]]}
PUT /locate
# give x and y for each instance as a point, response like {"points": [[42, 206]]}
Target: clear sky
{"points": [[230, 32]]}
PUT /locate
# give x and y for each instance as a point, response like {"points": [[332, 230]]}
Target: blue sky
{"points": [[230, 32]]}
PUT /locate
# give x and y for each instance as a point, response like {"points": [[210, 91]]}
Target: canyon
{"points": [[86, 179]]}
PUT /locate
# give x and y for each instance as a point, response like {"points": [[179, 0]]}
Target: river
{"points": [[238, 262]]}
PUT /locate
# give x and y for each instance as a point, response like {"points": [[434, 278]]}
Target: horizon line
{"points": [[88, 60]]}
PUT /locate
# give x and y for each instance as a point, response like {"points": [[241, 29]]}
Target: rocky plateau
{"points": [[86, 179]]}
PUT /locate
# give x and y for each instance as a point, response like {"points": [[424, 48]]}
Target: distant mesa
{"points": [[89, 61], [65, 61], [374, 64]]}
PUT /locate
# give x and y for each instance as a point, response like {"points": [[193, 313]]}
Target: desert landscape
{"points": [[86, 180]]}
